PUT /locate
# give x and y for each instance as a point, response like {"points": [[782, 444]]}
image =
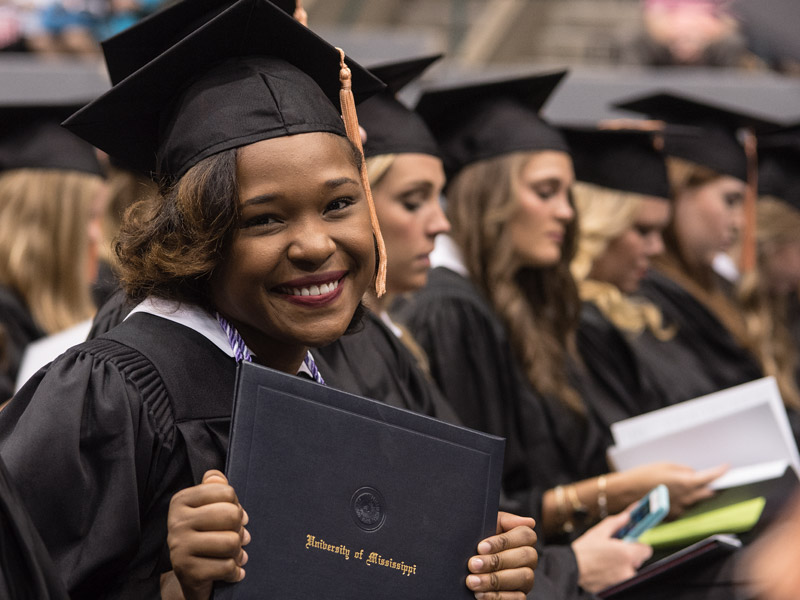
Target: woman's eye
{"points": [[414, 199], [545, 193], [338, 204], [259, 221], [733, 200]]}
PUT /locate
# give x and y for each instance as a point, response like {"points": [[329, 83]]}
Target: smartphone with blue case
{"points": [[648, 513]]}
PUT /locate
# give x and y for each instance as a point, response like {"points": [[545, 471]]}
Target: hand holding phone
{"points": [[647, 513]]}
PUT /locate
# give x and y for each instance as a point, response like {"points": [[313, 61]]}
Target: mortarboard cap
{"points": [[391, 127], [625, 160], [713, 143], [249, 73], [779, 165], [479, 121], [34, 99]]}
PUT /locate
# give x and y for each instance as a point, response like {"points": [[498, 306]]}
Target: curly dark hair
{"points": [[170, 243]]}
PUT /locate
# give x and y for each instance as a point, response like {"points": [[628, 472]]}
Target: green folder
{"points": [[736, 518]]}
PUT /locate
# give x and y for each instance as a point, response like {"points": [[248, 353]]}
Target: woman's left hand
{"points": [[503, 568]]}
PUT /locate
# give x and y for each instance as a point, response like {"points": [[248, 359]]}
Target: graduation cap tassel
{"points": [[351, 125], [747, 258], [300, 13]]}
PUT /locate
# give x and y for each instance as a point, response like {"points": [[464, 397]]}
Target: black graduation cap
{"points": [[32, 104], [249, 73], [479, 121], [713, 143], [391, 127], [625, 160], [779, 165]]}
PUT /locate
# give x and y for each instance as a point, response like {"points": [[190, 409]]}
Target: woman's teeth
{"points": [[314, 290]]}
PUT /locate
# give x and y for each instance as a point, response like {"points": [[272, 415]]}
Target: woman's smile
{"points": [[317, 290]]}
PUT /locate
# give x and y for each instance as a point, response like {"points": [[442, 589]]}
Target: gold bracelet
{"points": [[561, 508], [578, 509], [602, 497]]}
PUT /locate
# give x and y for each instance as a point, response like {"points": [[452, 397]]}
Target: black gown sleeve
{"points": [[557, 576], [26, 570], [472, 363], [86, 446], [374, 363], [621, 386], [19, 330], [702, 357]]}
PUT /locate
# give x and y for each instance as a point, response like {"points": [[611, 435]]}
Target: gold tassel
{"points": [[747, 258], [351, 126], [300, 13]]}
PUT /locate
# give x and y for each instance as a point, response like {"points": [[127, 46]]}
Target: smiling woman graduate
{"points": [[258, 246]]}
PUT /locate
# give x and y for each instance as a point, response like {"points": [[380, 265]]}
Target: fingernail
{"points": [[246, 538], [473, 581], [241, 574], [477, 564], [245, 558], [245, 517], [484, 547], [480, 595]]}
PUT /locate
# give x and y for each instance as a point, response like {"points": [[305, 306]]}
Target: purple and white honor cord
{"points": [[242, 353], [240, 350]]}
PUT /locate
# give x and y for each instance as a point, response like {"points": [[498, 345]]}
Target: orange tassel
{"points": [[300, 13], [747, 259], [351, 126]]}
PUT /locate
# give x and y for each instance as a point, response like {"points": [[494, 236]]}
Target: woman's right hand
{"points": [[206, 535], [686, 486], [604, 560]]}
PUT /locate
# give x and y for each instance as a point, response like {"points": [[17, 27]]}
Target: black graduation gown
{"points": [[100, 440], [703, 356], [20, 330], [622, 385], [110, 314], [473, 364], [26, 570], [374, 363], [370, 362]]}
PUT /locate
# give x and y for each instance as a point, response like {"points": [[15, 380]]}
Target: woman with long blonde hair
{"points": [[51, 189], [622, 199]]}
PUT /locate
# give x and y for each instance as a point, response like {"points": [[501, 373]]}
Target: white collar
{"points": [[447, 254], [188, 315], [196, 319], [387, 320]]}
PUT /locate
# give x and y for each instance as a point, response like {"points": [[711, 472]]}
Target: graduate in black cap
{"points": [[769, 293], [707, 167], [51, 199], [621, 196], [260, 245]]}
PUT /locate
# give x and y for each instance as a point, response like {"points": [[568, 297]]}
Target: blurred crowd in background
{"points": [[714, 33]]}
